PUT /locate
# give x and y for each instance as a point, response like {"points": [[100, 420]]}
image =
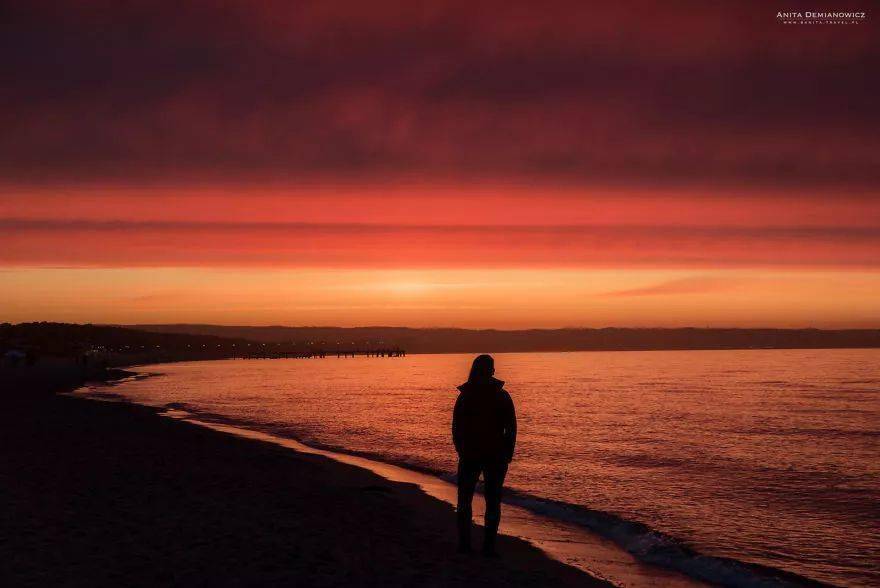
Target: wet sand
{"points": [[113, 494]]}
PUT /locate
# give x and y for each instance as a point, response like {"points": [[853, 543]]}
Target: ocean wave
{"points": [[661, 549], [645, 543], [642, 460]]}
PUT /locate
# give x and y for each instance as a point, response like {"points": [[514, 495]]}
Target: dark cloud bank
{"points": [[559, 91]]}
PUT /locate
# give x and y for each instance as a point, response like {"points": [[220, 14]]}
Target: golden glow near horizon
{"points": [[519, 298]]}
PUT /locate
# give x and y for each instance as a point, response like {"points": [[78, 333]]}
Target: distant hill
{"points": [[152, 343], [491, 340]]}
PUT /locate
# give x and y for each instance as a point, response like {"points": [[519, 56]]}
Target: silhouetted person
{"points": [[484, 433]]}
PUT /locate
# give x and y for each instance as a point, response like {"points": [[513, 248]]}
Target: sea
{"points": [[733, 467]]}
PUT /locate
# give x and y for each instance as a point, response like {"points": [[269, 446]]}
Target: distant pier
{"points": [[372, 353], [322, 353]]}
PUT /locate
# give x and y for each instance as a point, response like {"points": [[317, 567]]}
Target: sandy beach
{"points": [[114, 494]]}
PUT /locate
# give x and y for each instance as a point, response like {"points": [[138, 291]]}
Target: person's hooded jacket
{"points": [[484, 422]]}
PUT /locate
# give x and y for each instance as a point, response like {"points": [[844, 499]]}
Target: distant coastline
{"points": [[455, 340], [51, 346]]}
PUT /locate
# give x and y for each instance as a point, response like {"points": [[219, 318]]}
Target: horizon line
{"points": [[438, 328]]}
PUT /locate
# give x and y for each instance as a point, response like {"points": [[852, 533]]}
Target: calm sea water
{"points": [[762, 456]]}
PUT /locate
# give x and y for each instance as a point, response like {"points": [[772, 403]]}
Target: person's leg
{"points": [[468, 473], [493, 477]]}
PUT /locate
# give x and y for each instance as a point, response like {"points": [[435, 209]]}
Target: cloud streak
{"points": [[131, 243], [684, 286]]}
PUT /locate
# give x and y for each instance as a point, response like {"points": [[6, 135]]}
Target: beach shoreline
{"points": [[283, 410], [103, 493]]}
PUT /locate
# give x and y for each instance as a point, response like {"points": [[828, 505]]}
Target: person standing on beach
{"points": [[484, 434]]}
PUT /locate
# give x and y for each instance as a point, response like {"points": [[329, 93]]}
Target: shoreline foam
{"points": [[643, 543], [646, 545], [112, 493]]}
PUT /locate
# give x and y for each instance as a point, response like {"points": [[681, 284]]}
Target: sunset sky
{"points": [[477, 164]]}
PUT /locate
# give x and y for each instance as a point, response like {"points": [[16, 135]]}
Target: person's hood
{"points": [[491, 383]]}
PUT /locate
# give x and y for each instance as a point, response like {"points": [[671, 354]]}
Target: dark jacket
{"points": [[484, 422]]}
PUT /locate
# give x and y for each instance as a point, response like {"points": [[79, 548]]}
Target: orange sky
{"points": [[521, 298], [502, 256], [491, 164]]}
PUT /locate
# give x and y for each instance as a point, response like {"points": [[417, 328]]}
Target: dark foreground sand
{"points": [[101, 494]]}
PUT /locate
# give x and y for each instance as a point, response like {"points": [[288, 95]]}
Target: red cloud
{"points": [[565, 91], [90, 243]]}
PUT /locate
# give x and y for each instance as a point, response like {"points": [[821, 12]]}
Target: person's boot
{"points": [[464, 536], [489, 540]]}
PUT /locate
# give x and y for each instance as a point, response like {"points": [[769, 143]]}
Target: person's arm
{"points": [[456, 425], [510, 429]]}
